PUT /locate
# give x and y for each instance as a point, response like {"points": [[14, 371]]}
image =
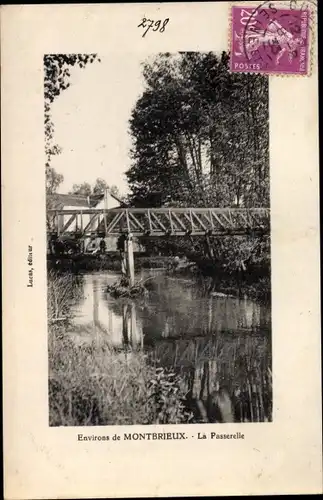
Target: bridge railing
{"points": [[159, 221]]}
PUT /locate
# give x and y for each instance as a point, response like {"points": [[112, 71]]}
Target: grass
{"points": [[97, 385], [245, 367], [240, 366], [61, 294], [94, 384]]}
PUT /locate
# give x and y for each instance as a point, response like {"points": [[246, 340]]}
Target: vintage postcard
{"points": [[161, 249]]}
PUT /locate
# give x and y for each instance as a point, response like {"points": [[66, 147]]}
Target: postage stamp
{"points": [[270, 40]]}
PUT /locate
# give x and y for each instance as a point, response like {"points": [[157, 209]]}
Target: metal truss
{"points": [[160, 221]]}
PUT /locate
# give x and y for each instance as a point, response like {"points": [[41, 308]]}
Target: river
{"points": [[175, 309], [182, 326]]}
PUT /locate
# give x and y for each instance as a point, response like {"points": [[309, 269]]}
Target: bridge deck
{"points": [[159, 221]]}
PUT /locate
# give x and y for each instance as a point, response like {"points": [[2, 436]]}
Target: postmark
{"points": [[270, 39]]}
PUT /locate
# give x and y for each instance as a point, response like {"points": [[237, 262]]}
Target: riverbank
{"points": [[255, 284], [102, 262], [97, 385], [93, 383]]}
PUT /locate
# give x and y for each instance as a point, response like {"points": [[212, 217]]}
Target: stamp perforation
{"points": [[306, 38]]}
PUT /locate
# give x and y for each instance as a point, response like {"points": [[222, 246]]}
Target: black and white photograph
{"points": [[161, 249], [158, 239]]}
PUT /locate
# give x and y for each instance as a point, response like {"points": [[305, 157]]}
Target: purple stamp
{"points": [[270, 40]]}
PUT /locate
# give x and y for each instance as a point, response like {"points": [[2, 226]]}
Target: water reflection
{"points": [[96, 317], [208, 339], [175, 318]]}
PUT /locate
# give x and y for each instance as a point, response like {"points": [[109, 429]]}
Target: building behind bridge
{"points": [[81, 202]]}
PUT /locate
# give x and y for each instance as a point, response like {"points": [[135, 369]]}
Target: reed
{"points": [[94, 384], [97, 385], [62, 292], [241, 370]]}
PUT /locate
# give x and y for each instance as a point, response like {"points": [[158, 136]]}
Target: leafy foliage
{"points": [[167, 399], [53, 180], [84, 189], [99, 188], [200, 133], [201, 138], [93, 384], [57, 79]]}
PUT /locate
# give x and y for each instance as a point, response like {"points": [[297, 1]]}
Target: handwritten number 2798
{"points": [[154, 25]]}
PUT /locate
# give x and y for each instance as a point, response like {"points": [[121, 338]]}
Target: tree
{"points": [[115, 191], [56, 80], [98, 188], [53, 180], [82, 189], [200, 133], [200, 138]]}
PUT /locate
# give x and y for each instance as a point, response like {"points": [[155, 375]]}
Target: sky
{"points": [[91, 120]]}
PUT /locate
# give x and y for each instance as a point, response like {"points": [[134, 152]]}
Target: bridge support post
{"points": [[209, 247], [130, 260], [124, 264]]}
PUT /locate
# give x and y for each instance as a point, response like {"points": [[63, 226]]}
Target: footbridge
{"points": [[156, 222], [159, 221]]}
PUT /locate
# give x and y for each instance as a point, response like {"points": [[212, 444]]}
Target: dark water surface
{"points": [[176, 308], [206, 337]]}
